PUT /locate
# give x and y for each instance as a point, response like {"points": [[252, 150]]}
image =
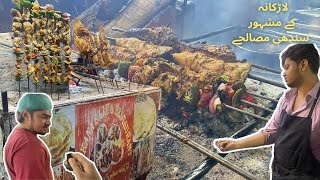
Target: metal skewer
{"points": [[28, 84], [206, 152], [272, 82], [19, 84], [245, 112], [68, 92], [266, 68], [116, 83], [51, 90], [58, 90], [256, 105], [101, 86], [97, 85], [263, 97], [99, 79]]}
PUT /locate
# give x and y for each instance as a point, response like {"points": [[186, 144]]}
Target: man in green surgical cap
{"points": [[28, 157], [25, 155]]}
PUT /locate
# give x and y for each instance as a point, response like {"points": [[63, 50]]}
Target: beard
{"points": [[38, 131], [296, 81], [42, 133], [291, 84]]}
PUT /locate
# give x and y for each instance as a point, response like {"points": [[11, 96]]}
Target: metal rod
{"points": [[5, 111], [209, 163], [259, 78], [6, 45], [4, 98], [246, 129], [114, 28], [116, 83], [76, 10], [36, 88], [58, 90], [206, 152], [203, 169], [28, 85], [19, 84], [230, 28], [51, 90], [101, 87], [256, 105], [68, 91], [97, 85], [266, 68], [245, 112], [45, 87], [263, 97], [99, 79], [185, 3], [87, 75]]}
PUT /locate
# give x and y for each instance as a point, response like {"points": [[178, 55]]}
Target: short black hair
{"points": [[299, 52], [20, 117]]}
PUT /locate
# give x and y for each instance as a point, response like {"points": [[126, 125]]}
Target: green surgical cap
{"points": [[34, 102]]}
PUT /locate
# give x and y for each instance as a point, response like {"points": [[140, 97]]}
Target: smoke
{"points": [[212, 15]]}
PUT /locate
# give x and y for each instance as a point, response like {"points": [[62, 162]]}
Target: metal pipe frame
{"points": [[256, 105], [266, 68], [223, 30], [263, 97], [245, 112], [272, 82]]}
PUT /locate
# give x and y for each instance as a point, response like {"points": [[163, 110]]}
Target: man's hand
{"points": [[83, 168], [224, 145], [229, 144]]}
